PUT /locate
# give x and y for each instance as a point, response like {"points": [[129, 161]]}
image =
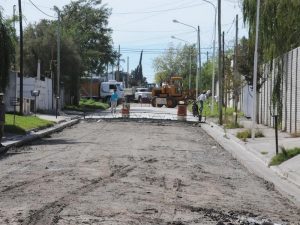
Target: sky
{"points": [[148, 25]]}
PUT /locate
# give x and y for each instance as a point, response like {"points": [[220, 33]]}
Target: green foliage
{"points": [[206, 76], [277, 36], [86, 44], [7, 51], [24, 124], [40, 43], [207, 109], [86, 22], [87, 104], [232, 125], [286, 154], [92, 104], [243, 135], [176, 61]]}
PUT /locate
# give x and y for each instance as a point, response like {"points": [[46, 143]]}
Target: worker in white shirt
{"points": [[201, 99]]}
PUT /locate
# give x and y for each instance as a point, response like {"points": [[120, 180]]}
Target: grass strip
{"points": [[88, 104], [284, 156], [23, 124]]}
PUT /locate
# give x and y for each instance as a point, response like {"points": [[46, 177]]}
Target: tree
{"points": [[7, 51], [40, 43], [86, 22], [86, 44], [137, 75], [175, 61], [206, 75], [279, 33]]}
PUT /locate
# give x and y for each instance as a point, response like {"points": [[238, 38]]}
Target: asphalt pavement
{"points": [[255, 154]]}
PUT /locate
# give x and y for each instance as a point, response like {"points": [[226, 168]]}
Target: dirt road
{"points": [[134, 173]]}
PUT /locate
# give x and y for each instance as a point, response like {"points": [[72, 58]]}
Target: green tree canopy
{"points": [[7, 51], [176, 61], [86, 22], [279, 26], [40, 43], [86, 44]]}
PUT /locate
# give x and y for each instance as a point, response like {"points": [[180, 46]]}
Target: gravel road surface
{"points": [[138, 172]]}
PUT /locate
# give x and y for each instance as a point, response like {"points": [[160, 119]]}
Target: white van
{"points": [[108, 87]]}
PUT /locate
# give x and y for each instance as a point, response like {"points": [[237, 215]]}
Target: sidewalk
{"points": [[12, 140], [256, 155]]}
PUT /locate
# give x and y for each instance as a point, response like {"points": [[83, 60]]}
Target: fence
{"points": [[289, 93]]}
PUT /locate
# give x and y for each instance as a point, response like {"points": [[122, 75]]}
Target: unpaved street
{"points": [[143, 172]]}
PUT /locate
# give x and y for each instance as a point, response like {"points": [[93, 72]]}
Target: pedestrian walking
{"points": [[114, 101], [2, 117], [201, 99]]}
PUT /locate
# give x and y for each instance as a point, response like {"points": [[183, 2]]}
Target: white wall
{"points": [[44, 100]]}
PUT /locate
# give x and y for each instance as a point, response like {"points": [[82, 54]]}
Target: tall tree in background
{"points": [[7, 52], [279, 33], [279, 25], [137, 75], [86, 22], [86, 44], [40, 43], [175, 61]]}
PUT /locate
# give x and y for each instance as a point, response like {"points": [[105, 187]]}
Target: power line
{"points": [[148, 31], [230, 26], [41, 10], [158, 11]]}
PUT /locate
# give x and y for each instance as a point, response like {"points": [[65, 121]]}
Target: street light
{"points": [[214, 48], [199, 53], [190, 59]]}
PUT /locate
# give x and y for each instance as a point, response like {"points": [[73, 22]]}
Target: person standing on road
{"points": [[2, 117], [114, 101], [201, 99]]}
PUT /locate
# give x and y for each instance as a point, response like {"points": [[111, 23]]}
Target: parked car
{"points": [[142, 95]]}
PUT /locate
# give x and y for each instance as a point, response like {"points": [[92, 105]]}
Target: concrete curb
{"points": [[253, 163], [39, 134], [284, 175]]}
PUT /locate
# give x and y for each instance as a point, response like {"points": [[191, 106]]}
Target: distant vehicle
{"points": [[171, 93], [142, 94], [108, 87], [93, 88]]}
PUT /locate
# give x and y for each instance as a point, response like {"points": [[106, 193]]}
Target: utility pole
{"points": [[127, 72], [224, 96], [107, 72], [236, 77], [190, 71], [207, 56], [21, 57], [213, 64], [58, 60], [255, 71], [51, 75], [14, 16], [199, 51], [118, 65], [220, 97]]}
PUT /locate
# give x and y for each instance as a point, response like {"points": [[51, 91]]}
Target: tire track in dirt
{"points": [[9, 172], [49, 214], [150, 181]]}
